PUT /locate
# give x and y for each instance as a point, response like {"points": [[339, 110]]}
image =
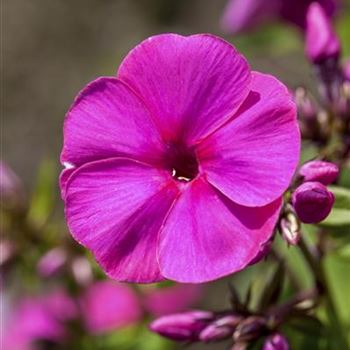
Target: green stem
{"points": [[315, 262]]}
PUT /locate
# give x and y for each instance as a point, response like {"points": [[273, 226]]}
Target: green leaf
{"points": [[340, 214], [44, 194], [295, 262], [337, 274], [342, 197], [309, 152], [307, 324], [344, 177]]}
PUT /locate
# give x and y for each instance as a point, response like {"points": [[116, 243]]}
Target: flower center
{"points": [[182, 162]]}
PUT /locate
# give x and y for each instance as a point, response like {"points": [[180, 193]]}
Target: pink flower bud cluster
{"points": [[312, 200]]}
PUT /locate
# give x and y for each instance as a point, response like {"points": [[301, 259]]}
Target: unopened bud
{"points": [[312, 202], [183, 326], [290, 229], [276, 342], [220, 329], [249, 329], [322, 42], [320, 171], [52, 262]]}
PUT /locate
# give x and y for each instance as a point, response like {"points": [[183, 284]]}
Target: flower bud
{"points": [[220, 329], [290, 229], [322, 42], [276, 342], [249, 329], [320, 171], [184, 326], [312, 202]]}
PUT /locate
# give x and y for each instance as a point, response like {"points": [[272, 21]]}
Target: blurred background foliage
{"points": [[51, 49]]}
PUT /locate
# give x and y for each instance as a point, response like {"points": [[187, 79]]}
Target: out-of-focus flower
{"points": [[346, 70], [81, 270], [52, 262], [173, 299], [107, 306], [7, 251], [220, 329], [276, 342], [241, 15], [39, 318], [320, 171], [307, 108], [322, 42], [184, 130], [312, 202], [10, 185], [183, 326]]}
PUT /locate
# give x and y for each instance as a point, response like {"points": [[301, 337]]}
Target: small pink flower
{"points": [[39, 318], [10, 185], [176, 166], [173, 299], [241, 15], [322, 42], [321, 171], [107, 306], [52, 262], [312, 202]]}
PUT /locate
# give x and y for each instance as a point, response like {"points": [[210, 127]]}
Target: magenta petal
{"points": [[252, 159], [115, 208], [191, 84], [206, 236], [64, 176], [108, 120]]}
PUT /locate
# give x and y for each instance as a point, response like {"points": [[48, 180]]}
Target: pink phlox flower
{"points": [[39, 318], [175, 168], [321, 42], [242, 15]]}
